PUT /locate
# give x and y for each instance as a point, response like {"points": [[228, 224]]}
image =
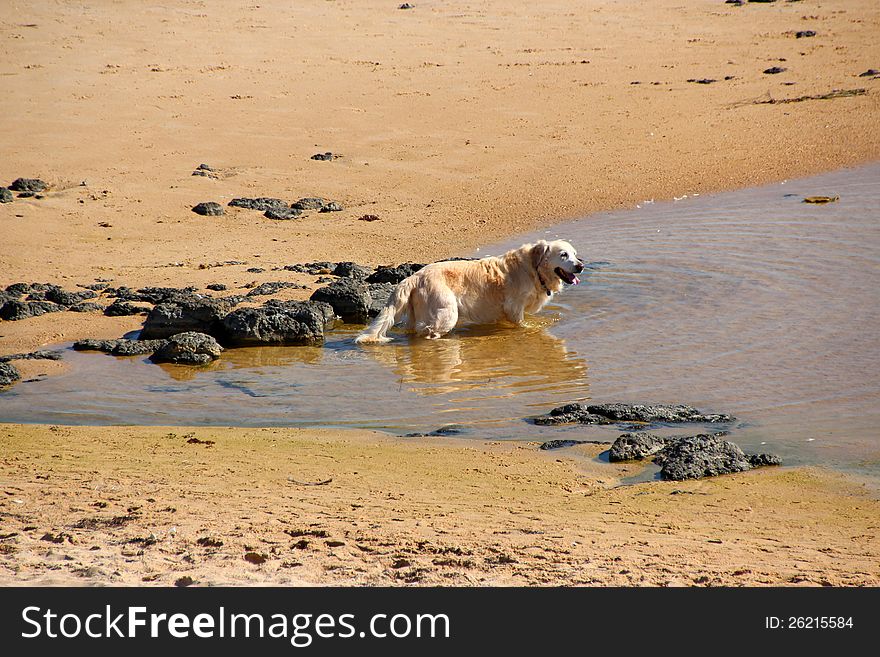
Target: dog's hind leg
{"points": [[438, 316]]}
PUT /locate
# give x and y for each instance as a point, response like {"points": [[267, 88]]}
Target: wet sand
{"points": [[458, 125], [124, 505]]}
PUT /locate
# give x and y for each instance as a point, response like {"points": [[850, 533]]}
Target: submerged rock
{"points": [[189, 348], [8, 375], [446, 430], [324, 156], [278, 322], [198, 314], [614, 413]]}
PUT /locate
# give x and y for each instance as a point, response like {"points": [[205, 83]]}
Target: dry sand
{"points": [[123, 505], [458, 123]]}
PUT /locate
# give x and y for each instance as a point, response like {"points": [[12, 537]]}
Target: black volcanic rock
{"points": [[197, 314], [278, 322], [189, 348]]}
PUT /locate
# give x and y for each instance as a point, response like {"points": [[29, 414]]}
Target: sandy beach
{"points": [[456, 124]]}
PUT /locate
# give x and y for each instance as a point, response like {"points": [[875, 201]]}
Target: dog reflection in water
{"points": [[491, 361]]}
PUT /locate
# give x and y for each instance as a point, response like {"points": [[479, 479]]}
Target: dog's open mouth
{"points": [[571, 279]]}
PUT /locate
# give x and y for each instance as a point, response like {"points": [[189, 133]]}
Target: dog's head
{"points": [[559, 260]]}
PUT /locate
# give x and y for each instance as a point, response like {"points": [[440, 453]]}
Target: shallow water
{"points": [[748, 302]]}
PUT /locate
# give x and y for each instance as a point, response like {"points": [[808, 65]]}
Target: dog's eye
{"points": [[563, 255]]}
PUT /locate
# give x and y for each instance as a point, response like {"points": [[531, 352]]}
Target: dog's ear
{"points": [[539, 252]]}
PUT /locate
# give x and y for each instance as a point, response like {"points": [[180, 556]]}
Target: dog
{"points": [[441, 296]]}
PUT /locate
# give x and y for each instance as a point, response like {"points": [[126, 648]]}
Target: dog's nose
{"points": [[578, 268]]}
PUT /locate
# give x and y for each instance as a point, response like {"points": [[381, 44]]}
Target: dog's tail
{"points": [[389, 315]]}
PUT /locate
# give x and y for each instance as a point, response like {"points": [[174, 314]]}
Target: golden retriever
{"points": [[441, 296]]}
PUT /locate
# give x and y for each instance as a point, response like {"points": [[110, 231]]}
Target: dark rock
{"points": [[446, 430], [121, 308], [614, 413], [63, 298], [198, 314], [323, 156], [86, 308], [672, 413], [262, 203], [559, 444], [217, 287], [278, 322], [701, 456], [255, 270], [42, 354], [156, 295], [18, 289], [17, 310], [570, 413], [204, 167], [869, 73], [379, 295], [351, 270], [332, 206], [350, 299], [313, 268], [8, 375], [309, 203], [5, 195], [394, 274], [702, 80], [804, 33], [203, 173], [120, 347], [406, 5], [96, 287], [188, 349], [759, 460], [368, 217], [90, 344], [636, 446], [272, 287], [773, 70], [28, 185], [136, 347], [209, 209], [282, 214]]}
